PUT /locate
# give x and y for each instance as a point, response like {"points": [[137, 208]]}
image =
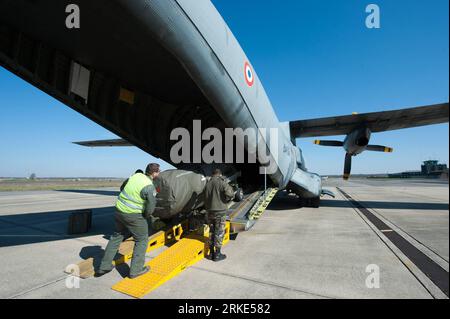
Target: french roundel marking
{"points": [[248, 74]]}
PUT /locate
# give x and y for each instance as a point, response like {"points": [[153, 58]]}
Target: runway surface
{"points": [[335, 251]]}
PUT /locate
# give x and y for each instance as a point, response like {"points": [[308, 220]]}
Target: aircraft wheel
{"points": [[315, 202], [310, 202]]}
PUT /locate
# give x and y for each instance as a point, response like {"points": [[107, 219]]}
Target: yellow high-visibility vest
{"points": [[130, 200]]}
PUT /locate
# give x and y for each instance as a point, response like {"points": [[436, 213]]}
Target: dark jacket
{"points": [[217, 194]]}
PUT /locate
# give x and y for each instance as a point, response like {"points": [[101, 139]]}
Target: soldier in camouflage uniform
{"points": [[217, 194]]}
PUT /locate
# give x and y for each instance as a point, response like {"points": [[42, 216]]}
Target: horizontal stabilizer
{"points": [[105, 143], [376, 122], [379, 148]]}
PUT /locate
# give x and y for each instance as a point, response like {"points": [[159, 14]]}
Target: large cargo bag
{"points": [[179, 192]]}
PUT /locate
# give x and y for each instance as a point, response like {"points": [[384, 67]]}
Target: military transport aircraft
{"points": [[141, 68]]}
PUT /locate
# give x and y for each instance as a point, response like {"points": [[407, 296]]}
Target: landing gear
{"points": [[310, 202]]}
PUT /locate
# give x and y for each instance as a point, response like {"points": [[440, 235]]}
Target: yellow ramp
{"points": [[185, 253], [165, 266], [261, 206], [161, 238]]}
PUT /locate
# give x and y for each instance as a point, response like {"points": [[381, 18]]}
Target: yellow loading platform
{"points": [[125, 253], [171, 262], [185, 248], [262, 204]]}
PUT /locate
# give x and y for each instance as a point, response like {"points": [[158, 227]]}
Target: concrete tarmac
{"points": [[292, 252]]}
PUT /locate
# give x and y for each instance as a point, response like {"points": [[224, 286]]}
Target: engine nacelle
{"points": [[356, 142]]}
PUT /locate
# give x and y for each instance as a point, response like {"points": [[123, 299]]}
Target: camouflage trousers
{"points": [[216, 221]]}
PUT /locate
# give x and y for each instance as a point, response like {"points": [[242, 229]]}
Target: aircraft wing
{"points": [[104, 143], [376, 122]]}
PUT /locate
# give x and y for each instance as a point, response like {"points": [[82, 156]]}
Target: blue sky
{"points": [[315, 59]]}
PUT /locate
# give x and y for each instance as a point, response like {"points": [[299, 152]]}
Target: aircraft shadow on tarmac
{"points": [[30, 228], [388, 205], [96, 252], [91, 191], [286, 202]]}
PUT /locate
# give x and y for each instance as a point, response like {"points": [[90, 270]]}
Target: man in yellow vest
{"points": [[134, 206]]}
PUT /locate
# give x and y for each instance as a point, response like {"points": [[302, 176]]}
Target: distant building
{"points": [[430, 169], [433, 168]]}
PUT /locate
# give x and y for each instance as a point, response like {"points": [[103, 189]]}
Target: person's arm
{"points": [[124, 184], [228, 191], [148, 193]]}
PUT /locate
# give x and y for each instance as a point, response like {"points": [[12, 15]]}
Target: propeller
{"points": [[347, 166], [353, 147], [329, 143], [379, 148]]}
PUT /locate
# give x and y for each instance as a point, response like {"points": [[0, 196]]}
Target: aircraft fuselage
{"points": [[179, 60]]}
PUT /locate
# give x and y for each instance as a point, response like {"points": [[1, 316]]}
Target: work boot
{"points": [[100, 273], [218, 256], [144, 270], [210, 256]]}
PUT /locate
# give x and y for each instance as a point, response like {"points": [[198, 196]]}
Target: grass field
{"points": [[19, 184]]}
